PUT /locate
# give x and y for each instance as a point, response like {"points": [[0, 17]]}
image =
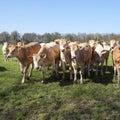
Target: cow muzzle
{"points": [[9, 56]]}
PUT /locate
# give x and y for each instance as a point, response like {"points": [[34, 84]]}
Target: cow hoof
{"points": [[28, 78], [42, 81], [22, 82]]}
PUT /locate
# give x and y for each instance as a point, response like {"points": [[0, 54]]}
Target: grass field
{"points": [[96, 99]]}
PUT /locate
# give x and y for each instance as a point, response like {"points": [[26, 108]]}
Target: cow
{"points": [[113, 43], [5, 50], [99, 55], [65, 56], [24, 55], [116, 60], [49, 54], [81, 58]]}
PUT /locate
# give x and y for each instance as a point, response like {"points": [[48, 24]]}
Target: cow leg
{"points": [[30, 72], [88, 70], [43, 74], [114, 75], [24, 73], [106, 61], [97, 69], [81, 74], [21, 67], [70, 69], [118, 71], [102, 68], [6, 59], [55, 69], [75, 74], [63, 68]]}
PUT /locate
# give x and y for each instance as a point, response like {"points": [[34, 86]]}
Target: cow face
{"points": [[63, 43], [73, 49], [38, 60], [13, 51], [105, 46]]}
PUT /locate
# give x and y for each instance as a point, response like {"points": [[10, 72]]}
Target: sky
{"points": [[63, 16]]}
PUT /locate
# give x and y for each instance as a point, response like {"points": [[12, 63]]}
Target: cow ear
{"points": [[68, 41], [17, 46], [57, 41], [43, 56], [67, 47], [80, 47]]}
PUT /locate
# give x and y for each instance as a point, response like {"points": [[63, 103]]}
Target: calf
{"points": [[24, 55], [49, 54]]}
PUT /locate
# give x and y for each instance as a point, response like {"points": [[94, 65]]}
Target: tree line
{"points": [[15, 36]]}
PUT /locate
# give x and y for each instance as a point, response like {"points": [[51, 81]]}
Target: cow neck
{"points": [[99, 50], [21, 55]]}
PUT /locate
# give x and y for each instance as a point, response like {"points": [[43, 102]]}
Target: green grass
{"points": [[96, 99]]}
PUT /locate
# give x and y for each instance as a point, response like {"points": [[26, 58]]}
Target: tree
{"points": [[55, 35], [15, 37], [47, 37], [29, 37], [4, 36]]}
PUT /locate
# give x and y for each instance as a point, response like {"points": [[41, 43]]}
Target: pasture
{"points": [[96, 99]]}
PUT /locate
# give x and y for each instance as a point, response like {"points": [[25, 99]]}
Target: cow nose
{"points": [[37, 68], [8, 56], [74, 57], [63, 50]]}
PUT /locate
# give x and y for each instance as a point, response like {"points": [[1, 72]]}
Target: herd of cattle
{"points": [[62, 52]]}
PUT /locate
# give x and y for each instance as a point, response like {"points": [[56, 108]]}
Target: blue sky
{"points": [[63, 16]]}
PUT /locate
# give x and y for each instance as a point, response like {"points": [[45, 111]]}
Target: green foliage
{"points": [[97, 99]]}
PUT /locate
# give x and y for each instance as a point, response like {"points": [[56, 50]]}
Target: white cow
{"points": [[5, 50], [65, 56]]}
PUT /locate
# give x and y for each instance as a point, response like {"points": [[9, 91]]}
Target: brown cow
{"points": [[116, 60], [99, 55], [49, 54], [81, 57], [24, 55]]}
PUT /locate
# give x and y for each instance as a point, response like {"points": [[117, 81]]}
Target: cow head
{"points": [[38, 60], [63, 43], [73, 50], [13, 51]]}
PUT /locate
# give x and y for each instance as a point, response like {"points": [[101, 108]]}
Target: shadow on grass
{"points": [[2, 69], [105, 79]]}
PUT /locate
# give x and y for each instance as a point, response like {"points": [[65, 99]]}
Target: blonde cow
{"points": [[24, 55], [116, 60], [65, 56], [49, 54]]}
